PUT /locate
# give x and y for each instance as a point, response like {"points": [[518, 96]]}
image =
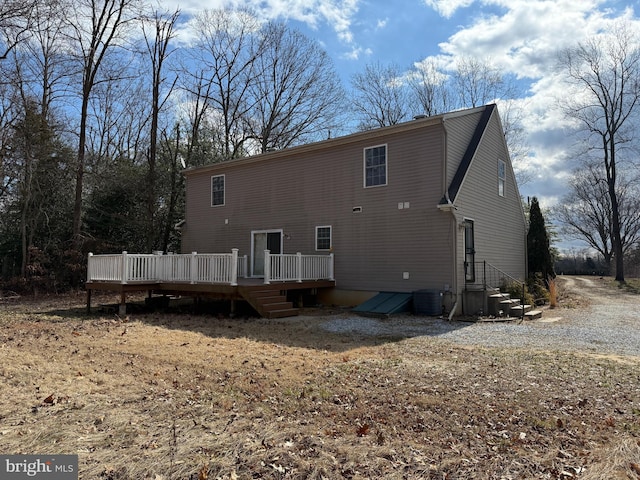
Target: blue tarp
{"points": [[386, 303]]}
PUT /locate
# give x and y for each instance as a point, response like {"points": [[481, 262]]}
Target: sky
{"points": [[520, 37]]}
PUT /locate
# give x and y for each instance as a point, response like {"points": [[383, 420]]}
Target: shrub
{"points": [[514, 289], [538, 288]]}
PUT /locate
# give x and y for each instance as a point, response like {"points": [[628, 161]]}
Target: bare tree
{"points": [[296, 90], [380, 96], [195, 113], [585, 213], [157, 44], [477, 82], [117, 122], [226, 50], [170, 147], [511, 115], [94, 28], [9, 113], [41, 62], [606, 71], [430, 88], [15, 19]]}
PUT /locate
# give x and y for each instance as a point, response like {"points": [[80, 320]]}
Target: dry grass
{"points": [[199, 397]]}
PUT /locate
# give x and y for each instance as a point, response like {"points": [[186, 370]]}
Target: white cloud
{"points": [[446, 8], [382, 23], [336, 13], [356, 53], [523, 39]]}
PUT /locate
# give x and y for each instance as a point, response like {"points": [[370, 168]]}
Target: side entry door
{"points": [[469, 252]]}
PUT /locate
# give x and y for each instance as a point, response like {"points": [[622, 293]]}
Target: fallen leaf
{"points": [[203, 474]]}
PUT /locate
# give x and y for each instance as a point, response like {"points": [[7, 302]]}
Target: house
{"points": [[427, 205]]}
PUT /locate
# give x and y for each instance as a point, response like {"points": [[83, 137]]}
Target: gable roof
{"points": [[470, 152], [418, 122]]}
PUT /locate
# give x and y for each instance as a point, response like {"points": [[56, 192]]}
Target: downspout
{"points": [[454, 228]]}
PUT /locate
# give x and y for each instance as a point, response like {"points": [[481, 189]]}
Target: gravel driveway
{"points": [[608, 323]]}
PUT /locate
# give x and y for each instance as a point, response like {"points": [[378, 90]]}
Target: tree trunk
{"points": [[616, 239], [77, 204]]}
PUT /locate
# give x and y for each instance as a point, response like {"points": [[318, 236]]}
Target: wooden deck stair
{"points": [[270, 303]]}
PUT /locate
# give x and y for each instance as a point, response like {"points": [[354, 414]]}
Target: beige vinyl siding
{"points": [[460, 129], [301, 188], [297, 193], [500, 231]]}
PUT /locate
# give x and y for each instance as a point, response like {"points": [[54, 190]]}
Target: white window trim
{"points": [[224, 191], [330, 238], [386, 165]]}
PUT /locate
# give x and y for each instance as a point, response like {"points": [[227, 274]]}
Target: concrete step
{"points": [[533, 315], [516, 310], [493, 303]]}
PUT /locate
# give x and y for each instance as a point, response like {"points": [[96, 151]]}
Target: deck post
{"points": [[331, 267], [89, 300], [267, 267], [122, 308], [194, 267], [234, 267], [89, 272], [123, 278], [299, 267]]}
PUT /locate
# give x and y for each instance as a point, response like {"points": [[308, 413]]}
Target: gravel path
{"points": [[608, 325]]}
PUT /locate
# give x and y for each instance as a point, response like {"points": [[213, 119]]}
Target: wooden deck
{"points": [[269, 300]]}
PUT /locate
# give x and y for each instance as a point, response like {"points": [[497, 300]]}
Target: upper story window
{"points": [[323, 238], [502, 177], [375, 166], [217, 190]]}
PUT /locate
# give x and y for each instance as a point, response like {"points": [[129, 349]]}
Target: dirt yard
{"points": [[192, 396]]}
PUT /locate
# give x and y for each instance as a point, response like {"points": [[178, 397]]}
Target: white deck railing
{"points": [[297, 267], [220, 268]]}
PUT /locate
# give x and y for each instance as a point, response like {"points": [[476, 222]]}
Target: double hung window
{"points": [[502, 177], [217, 190], [323, 238], [375, 166]]}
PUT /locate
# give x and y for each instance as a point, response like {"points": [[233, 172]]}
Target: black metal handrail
{"points": [[493, 277]]}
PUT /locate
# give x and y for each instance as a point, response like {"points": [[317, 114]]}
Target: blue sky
{"points": [[520, 37]]}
